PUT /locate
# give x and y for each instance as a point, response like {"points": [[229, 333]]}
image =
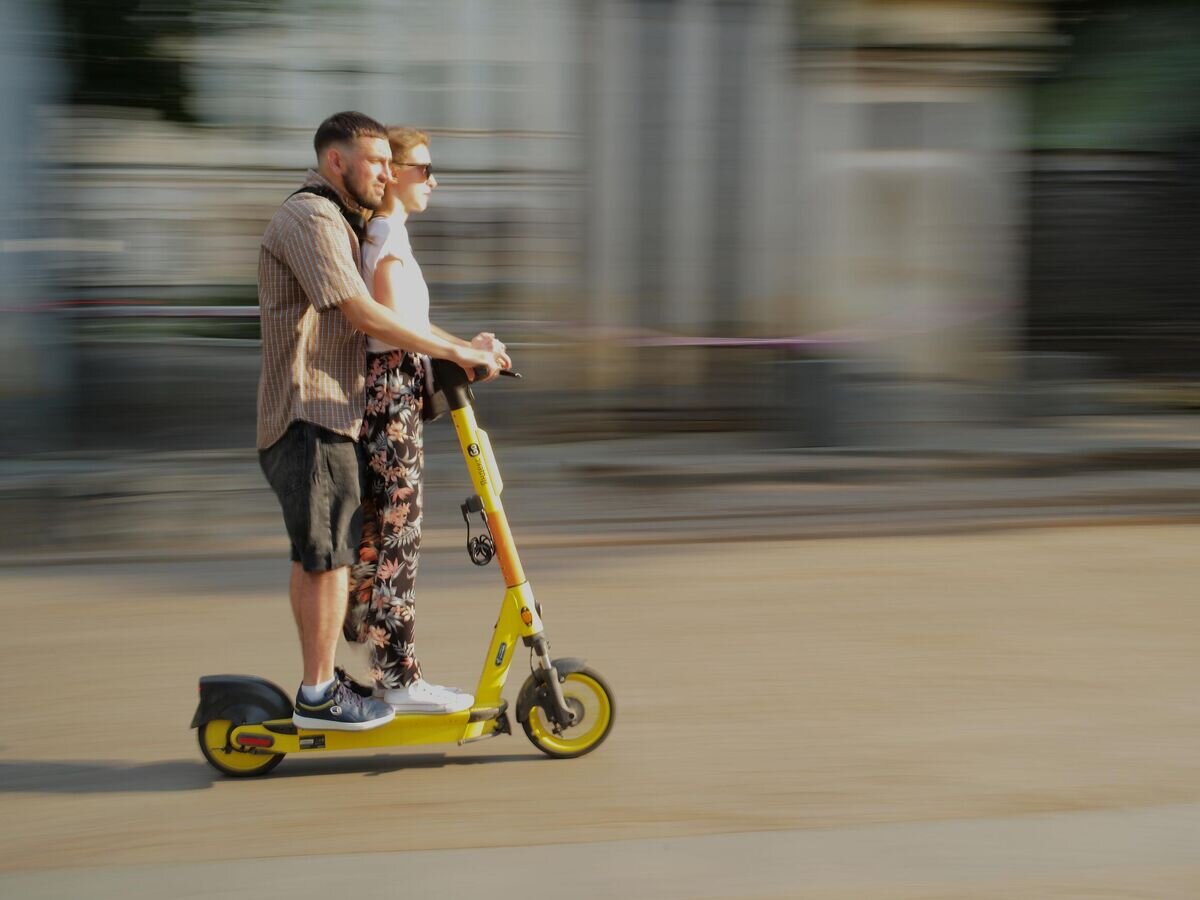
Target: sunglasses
{"points": [[428, 167]]}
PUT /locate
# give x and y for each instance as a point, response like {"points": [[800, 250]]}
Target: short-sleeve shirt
{"points": [[312, 358], [386, 237]]}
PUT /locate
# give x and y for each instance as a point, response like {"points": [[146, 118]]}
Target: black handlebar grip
{"points": [[481, 372]]}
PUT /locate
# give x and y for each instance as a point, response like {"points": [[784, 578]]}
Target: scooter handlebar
{"points": [[481, 372], [449, 374]]}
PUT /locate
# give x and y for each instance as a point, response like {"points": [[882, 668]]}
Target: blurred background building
{"points": [[822, 218]]}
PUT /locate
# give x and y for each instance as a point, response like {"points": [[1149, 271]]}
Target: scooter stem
{"points": [[451, 381]]}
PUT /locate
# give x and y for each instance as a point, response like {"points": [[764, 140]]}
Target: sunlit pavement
{"points": [[981, 715]]}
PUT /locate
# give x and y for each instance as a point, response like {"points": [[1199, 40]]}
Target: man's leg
{"points": [[319, 607], [324, 701], [316, 476]]}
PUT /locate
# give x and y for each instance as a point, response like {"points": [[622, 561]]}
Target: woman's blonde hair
{"points": [[402, 139]]}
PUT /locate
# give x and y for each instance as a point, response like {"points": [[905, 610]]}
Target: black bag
{"points": [[433, 401], [355, 220]]}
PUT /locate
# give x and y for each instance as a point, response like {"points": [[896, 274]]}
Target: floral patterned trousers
{"points": [[382, 582]]}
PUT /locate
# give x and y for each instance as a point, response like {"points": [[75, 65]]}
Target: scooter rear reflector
{"points": [[256, 740]]}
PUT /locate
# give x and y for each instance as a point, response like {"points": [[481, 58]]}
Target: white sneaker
{"points": [[421, 696]]}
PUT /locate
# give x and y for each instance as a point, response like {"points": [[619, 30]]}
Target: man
{"points": [[315, 311]]}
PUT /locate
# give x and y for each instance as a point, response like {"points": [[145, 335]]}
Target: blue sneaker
{"points": [[341, 709]]}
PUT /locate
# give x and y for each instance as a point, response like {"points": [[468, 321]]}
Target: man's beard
{"points": [[358, 197]]}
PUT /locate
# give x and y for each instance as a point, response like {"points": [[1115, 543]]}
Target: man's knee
{"points": [[321, 579], [317, 477]]}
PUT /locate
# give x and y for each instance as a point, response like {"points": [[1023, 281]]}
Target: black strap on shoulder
{"points": [[355, 220]]}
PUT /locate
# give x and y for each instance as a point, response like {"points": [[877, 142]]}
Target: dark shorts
{"points": [[319, 478]]}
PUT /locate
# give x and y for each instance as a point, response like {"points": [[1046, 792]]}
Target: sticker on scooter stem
{"points": [[500, 655], [526, 615], [481, 471]]}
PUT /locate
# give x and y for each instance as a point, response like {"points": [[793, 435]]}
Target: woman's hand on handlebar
{"points": [[491, 362], [485, 340]]}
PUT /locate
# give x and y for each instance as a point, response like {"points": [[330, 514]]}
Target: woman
{"points": [[382, 583]]}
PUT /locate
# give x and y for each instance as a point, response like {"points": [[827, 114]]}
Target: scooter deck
{"points": [[407, 729]]}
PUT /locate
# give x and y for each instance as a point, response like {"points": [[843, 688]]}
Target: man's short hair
{"points": [[346, 126]]}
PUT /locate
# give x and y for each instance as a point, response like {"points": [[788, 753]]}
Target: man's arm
{"points": [[315, 247], [310, 237]]}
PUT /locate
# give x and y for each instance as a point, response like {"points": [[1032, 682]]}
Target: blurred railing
{"points": [[103, 310], [186, 390]]}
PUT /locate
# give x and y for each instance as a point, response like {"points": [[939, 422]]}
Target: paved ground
{"points": [[1008, 714]]}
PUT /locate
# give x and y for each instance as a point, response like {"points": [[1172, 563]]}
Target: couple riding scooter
{"points": [[566, 709]]}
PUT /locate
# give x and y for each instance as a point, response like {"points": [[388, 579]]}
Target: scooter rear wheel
{"points": [[212, 735], [586, 693]]}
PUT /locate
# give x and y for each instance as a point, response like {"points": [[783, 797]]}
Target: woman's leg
{"points": [[362, 573], [395, 466]]}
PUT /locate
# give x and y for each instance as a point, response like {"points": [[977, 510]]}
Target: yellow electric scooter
{"points": [[245, 723]]}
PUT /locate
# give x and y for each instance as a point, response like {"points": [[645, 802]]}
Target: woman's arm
{"points": [[380, 319], [391, 290], [373, 318], [447, 336], [485, 340]]}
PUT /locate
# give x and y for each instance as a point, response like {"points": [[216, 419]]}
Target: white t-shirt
{"points": [[388, 237]]}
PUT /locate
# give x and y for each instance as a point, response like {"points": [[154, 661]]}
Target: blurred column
{"points": [[647, 166], [648, 138], [727, 175], [611, 140], [693, 162], [914, 190], [693, 151], [29, 381]]}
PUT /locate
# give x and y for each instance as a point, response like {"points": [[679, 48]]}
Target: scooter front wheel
{"points": [[589, 696], [212, 735]]}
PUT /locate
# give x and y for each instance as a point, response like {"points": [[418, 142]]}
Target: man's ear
{"points": [[334, 158]]}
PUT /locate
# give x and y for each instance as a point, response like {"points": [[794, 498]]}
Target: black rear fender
{"points": [[241, 699]]}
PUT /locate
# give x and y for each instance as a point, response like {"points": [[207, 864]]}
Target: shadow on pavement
{"points": [[27, 776], [387, 763]]}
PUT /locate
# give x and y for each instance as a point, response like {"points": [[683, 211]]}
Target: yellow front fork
{"points": [[518, 611]]}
